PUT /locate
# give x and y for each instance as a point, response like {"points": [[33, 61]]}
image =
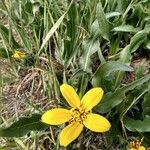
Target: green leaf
{"points": [[125, 28], [112, 14], [146, 104], [23, 126], [23, 36], [52, 30], [106, 69], [125, 57], [72, 34], [147, 43], [4, 54], [111, 100], [137, 125], [90, 47], [138, 39], [95, 31], [123, 6], [7, 36], [104, 25], [76, 74]]}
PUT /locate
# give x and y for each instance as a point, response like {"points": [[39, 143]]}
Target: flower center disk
{"points": [[78, 116], [135, 144]]}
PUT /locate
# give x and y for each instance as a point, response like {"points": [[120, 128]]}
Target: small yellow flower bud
{"points": [[18, 55]]}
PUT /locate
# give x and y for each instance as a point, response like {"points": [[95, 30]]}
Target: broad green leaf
{"points": [[146, 103], [95, 31], [23, 126], [106, 69], [52, 30], [104, 25], [137, 125], [125, 28], [90, 47], [111, 100], [138, 39], [125, 55]]}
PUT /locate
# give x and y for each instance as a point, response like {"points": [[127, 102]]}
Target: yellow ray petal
{"points": [[70, 133], [18, 55], [142, 148], [70, 95], [56, 116], [96, 123], [92, 98]]}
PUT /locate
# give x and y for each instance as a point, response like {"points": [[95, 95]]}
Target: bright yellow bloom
{"points": [[136, 145], [18, 55], [78, 116]]}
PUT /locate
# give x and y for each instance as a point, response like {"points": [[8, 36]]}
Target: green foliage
{"points": [[23, 126], [125, 28], [104, 25], [106, 69], [137, 125], [146, 103], [4, 54], [87, 44], [111, 100], [8, 37], [52, 30]]}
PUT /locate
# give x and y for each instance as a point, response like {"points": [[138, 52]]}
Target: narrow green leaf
{"points": [[108, 68], [23, 36], [23, 126], [52, 30], [137, 125], [125, 57], [71, 42], [111, 100], [7, 36]]}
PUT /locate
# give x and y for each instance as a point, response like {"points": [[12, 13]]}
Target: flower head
{"points": [[136, 145], [18, 55], [78, 116]]}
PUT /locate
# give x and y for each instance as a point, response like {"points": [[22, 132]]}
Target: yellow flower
{"points": [[78, 116], [136, 145], [18, 55]]}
